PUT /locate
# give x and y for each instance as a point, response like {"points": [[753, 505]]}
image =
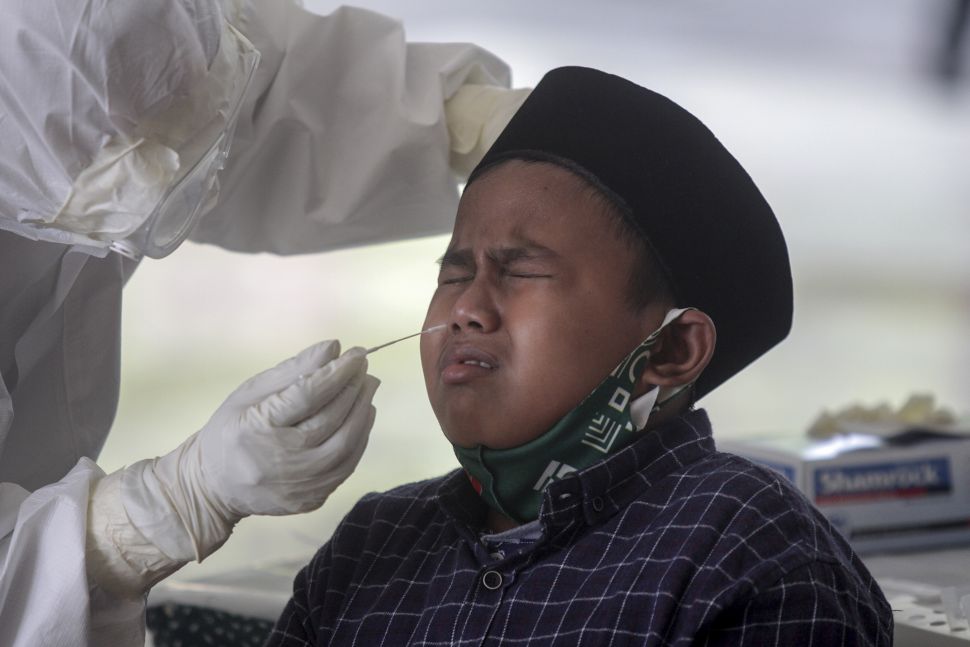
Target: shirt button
{"points": [[597, 504], [492, 580]]}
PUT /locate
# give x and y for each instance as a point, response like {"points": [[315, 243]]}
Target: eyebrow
{"points": [[464, 258], [456, 258]]}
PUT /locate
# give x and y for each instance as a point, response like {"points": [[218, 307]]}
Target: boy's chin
{"points": [[460, 437]]}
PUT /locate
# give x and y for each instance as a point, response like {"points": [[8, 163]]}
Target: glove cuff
{"points": [[476, 115], [165, 501], [119, 559]]}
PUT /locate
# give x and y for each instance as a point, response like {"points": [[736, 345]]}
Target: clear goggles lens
{"points": [[176, 215]]}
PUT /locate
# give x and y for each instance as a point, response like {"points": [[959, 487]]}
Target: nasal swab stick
{"points": [[386, 344]]}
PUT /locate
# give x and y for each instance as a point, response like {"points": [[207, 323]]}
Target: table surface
{"points": [[913, 583]]}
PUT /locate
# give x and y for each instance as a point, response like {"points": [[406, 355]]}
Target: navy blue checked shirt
{"points": [[667, 542]]}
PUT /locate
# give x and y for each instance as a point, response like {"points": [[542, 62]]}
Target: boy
{"points": [[610, 263]]}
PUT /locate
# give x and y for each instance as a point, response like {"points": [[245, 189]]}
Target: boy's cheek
{"points": [[438, 309], [427, 352]]}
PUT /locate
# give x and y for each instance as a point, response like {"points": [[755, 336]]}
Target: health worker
{"points": [[116, 120]]}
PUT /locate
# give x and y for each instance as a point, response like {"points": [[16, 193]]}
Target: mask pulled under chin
{"points": [[512, 480]]}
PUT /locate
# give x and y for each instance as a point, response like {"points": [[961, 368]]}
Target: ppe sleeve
{"points": [[344, 139], [45, 596]]}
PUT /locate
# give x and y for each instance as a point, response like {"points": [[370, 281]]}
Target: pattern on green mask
{"points": [[512, 480]]}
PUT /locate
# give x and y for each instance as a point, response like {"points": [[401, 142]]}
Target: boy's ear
{"points": [[681, 353]]}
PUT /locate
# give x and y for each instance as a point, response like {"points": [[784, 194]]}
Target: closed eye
{"points": [[523, 275], [453, 280]]}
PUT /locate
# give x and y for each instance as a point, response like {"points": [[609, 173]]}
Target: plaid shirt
{"points": [[667, 542]]}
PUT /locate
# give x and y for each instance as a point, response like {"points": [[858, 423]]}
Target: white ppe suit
{"points": [[347, 135]]}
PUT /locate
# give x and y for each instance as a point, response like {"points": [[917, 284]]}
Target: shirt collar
{"points": [[599, 491], [610, 485]]}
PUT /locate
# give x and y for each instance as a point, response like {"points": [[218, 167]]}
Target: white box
{"points": [[885, 498]]}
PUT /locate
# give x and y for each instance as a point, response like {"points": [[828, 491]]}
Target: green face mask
{"points": [[512, 480]]}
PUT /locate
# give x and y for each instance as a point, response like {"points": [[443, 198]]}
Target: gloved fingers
{"points": [[354, 452], [288, 371], [309, 394], [344, 447], [321, 425], [319, 470]]}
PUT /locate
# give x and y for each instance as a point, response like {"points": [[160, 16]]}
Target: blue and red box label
{"points": [[897, 480]]}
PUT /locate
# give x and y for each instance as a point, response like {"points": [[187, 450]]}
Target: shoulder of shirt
{"points": [[794, 541], [409, 498], [403, 511], [420, 489], [766, 507]]}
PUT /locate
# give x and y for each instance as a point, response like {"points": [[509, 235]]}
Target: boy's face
{"points": [[534, 293]]}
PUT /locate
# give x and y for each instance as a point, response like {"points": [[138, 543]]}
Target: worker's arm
{"points": [[350, 134], [78, 556], [342, 138]]}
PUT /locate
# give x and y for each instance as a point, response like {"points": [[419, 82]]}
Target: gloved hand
{"points": [[280, 444], [476, 115]]}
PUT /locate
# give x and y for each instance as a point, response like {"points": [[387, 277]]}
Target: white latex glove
{"points": [[476, 115], [280, 444]]}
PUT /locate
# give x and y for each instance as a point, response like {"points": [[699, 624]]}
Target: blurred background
{"points": [[853, 119]]}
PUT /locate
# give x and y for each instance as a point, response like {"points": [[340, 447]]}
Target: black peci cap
{"points": [[706, 221]]}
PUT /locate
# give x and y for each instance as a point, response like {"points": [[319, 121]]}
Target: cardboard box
{"points": [[881, 496]]}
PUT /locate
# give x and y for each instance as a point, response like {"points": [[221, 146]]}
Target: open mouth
{"points": [[465, 364], [472, 362]]}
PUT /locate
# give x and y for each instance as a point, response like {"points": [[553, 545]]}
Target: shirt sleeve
{"points": [[293, 628], [813, 605], [319, 588]]}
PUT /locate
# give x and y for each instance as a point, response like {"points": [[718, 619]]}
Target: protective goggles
{"points": [[179, 210]]}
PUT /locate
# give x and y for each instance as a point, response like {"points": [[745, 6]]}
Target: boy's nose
{"points": [[475, 309]]}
